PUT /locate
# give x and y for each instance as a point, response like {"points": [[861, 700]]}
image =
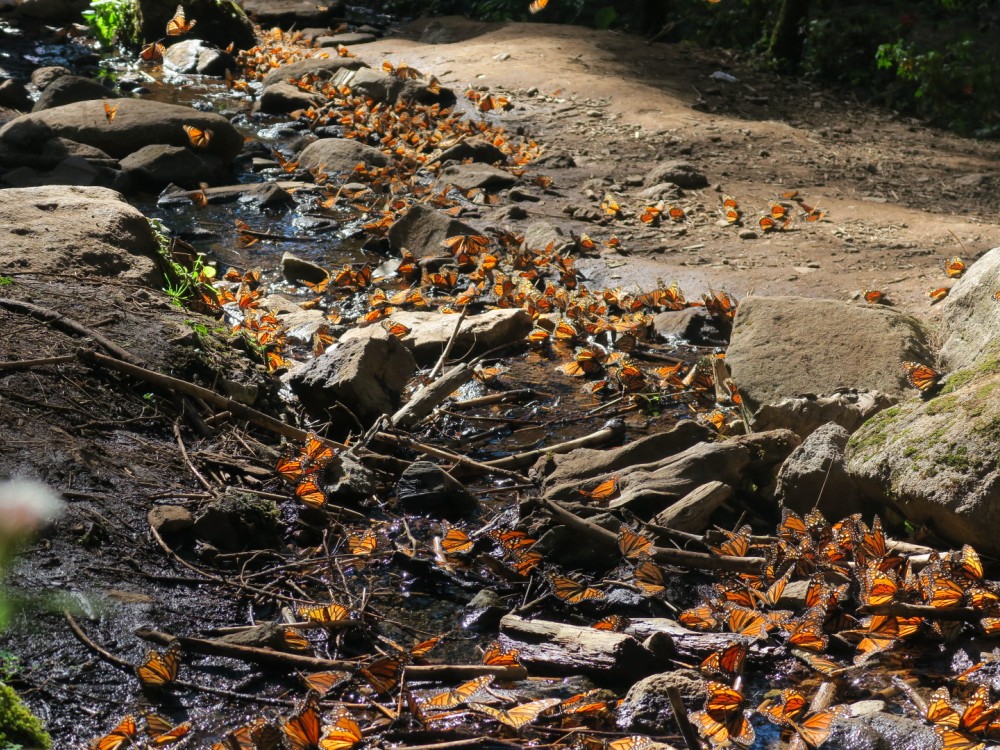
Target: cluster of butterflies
{"points": [[777, 218], [953, 269]]}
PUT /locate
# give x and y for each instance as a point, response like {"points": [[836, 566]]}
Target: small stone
{"points": [[747, 234], [426, 489], [299, 270], [170, 519]]}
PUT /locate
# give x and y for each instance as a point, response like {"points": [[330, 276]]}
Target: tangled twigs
{"points": [[430, 450], [187, 459], [701, 560], [240, 411], [613, 430], [127, 667]]}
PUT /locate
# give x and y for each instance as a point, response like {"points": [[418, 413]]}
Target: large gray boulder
{"points": [[69, 89], [137, 123], [937, 461], [814, 476], [971, 315], [198, 56], [59, 230], [335, 155], [786, 347], [154, 167], [325, 65], [362, 378]]}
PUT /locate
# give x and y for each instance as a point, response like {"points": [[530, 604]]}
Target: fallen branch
{"points": [[613, 430], [430, 450], [430, 396], [68, 325], [701, 560], [439, 365], [28, 364], [470, 742], [187, 460], [240, 411], [495, 398], [682, 720]]}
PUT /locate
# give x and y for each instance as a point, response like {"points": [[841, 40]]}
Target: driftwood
{"points": [[555, 648], [691, 646], [613, 430], [427, 398], [648, 488], [692, 512], [666, 555]]}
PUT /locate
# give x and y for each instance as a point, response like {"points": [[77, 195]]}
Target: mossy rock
{"points": [[239, 521], [936, 460], [18, 726]]}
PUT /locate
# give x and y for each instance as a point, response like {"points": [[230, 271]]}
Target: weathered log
{"points": [[691, 646], [555, 648], [427, 398], [693, 511]]}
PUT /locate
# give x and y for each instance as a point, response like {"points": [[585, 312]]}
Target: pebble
{"points": [[747, 234]]}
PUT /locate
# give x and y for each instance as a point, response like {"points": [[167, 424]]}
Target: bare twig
{"points": [[430, 450], [681, 717], [28, 364], [439, 365], [187, 459], [611, 431]]}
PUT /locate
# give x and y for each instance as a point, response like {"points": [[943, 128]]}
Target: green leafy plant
{"points": [[6, 281], [106, 18], [180, 282]]}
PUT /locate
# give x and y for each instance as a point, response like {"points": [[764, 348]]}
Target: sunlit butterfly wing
{"points": [[302, 731], [160, 670], [459, 695], [310, 493], [952, 740], [727, 663], [197, 137], [573, 591], [518, 716], [119, 737], [615, 623], [343, 734], [791, 705], [746, 622], [815, 728], [648, 576], [920, 376], [699, 618], [325, 614], [383, 674], [497, 656], [178, 25], [324, 682], [941, 711]]}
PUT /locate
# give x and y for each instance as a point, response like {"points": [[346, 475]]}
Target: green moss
{"points": [[18, 726], [986, 366], [956, 458], [941, 404], [874, 434]]}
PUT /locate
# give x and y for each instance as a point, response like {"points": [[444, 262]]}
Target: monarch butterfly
{"points": [[604, 490], [737, 543], [873, 296], [952, 740], [615, 623], [152, 52], [938, 294], [676, 214], [537, 6], [510, 539], [318, 452], [424, 647], [162, 732], [808, 632], [456, 542], [293, 640], [238, 739], [363, 544], [302, 731], [920, 376], [459, 695], [610, 206], [632, 544], [517, 716], [323, 682], [941, 591], [954, 268], [723, 721], [729, 201], [573, 591], [792, 526], [792, 705], [310, 493], [940, 710], [497, 656], [731, 215], [587, 702], [815, 728], [525, 561], [290, 469], [879, 588], [120, 736], [699, 618], [778, 210], [343, 734], [969, 563], [648, 576], [821, 664], [632, 742], [767, 224], [775, 591], [727, 663], [383, 674], [178, 25], [881, 633], [746, 622], [325, 614], [160, 670], [110, 111], [651, 215], [197, 137]]}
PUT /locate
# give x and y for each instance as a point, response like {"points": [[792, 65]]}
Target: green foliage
{"points": [[180, 282], [6, 281], [106, 18], [18, 726]]}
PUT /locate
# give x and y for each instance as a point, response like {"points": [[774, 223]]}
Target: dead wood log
{"points": [[693, 511], [666, 555], [557, 648], [427, 398], [691, 646]]}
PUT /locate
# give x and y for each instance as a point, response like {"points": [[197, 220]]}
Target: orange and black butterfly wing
{"points": [[159, 671], [302, 731]]}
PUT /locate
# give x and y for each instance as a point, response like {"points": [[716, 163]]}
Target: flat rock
{"points": [[337, 155], [153, 167], [429, 332], [364, 375], [422, 230], [646, 708], [58, 149], [346, 40], [298, 270], [68, 89], [325, 65], [59, 230], [971, 316], [199, 57], [694, 325], [882, 731], [786, 347], [679, 173], [936, 461], [815, 476], [471, 176], [385, 88], [474, 149], [138, 123]]}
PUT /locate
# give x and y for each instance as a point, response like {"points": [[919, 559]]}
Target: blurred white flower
{"points": [[25, 507]]}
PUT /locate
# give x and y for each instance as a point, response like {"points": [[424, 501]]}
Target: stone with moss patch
{"points": [[18, 726]]}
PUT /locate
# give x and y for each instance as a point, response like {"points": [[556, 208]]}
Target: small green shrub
{"points": [[106, 18]]}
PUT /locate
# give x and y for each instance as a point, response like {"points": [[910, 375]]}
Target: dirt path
{"points": [[900, 198]]}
